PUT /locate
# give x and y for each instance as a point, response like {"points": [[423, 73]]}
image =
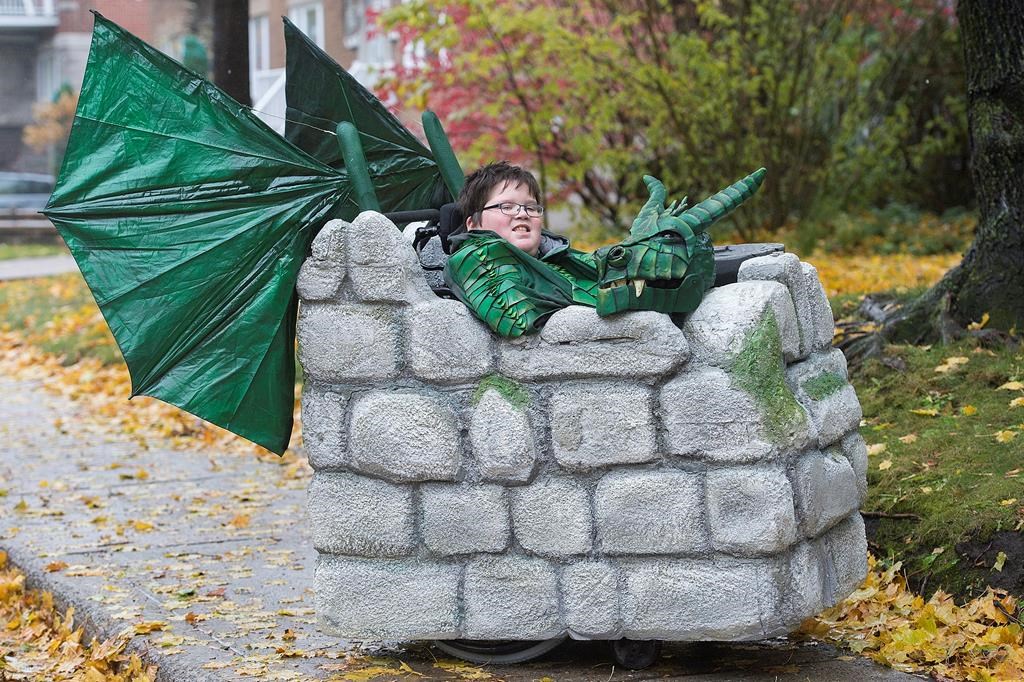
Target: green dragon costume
{"points": [[666, 264], [513, 292]]}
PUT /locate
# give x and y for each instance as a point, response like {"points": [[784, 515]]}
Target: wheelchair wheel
{"points": [[635, 654], [497, 652]]}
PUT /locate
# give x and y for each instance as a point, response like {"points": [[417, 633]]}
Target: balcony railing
{"points": [[28, 13]]}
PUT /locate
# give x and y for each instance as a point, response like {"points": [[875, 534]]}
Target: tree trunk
{"points": [[231, 48], [990, 278]]}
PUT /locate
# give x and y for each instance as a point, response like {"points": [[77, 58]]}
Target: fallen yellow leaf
{"points": [[952, 363], [1005, 436], [465, 671], [169, 640], [143, 526], [926, 412], [885, 464], [369, 673], [406, 668], [1017, 402], [1000, 561], [968, 410], [240, 521], [927, 489], [148, 626], [1008, 502], [909, 438], [1011, 386], [55, 566], [876, 449], [973, 326]]}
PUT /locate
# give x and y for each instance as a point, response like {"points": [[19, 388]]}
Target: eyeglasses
{"points": [[510, 208]]}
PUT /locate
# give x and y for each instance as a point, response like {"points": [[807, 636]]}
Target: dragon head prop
{"points": [[668, 262]]}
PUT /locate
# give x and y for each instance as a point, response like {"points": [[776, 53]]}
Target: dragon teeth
{"points": [[638, 286]]}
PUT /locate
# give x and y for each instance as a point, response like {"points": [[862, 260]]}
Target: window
{"points": [[309, 18], [259, 43], [355, 22], [47, 75]]}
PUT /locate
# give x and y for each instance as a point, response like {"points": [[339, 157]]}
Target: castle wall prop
{"points": [[605, 478]]}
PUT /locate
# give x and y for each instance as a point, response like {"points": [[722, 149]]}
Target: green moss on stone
{"points": [[823, 385], [758, 370], [510, 390]]}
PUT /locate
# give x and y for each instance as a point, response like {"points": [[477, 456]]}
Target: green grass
{"points": [[950, 470], [9, 251]]}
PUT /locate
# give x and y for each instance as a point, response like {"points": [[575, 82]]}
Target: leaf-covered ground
{"points": [[980, 640], [37, 642], [52, 331]]}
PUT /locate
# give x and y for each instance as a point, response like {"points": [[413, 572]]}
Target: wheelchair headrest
{"points": [[451, 222]]}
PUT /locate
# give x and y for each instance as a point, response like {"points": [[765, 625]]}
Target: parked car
{"points": [[26, 191]]}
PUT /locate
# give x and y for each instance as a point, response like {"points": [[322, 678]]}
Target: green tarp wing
{"points": [[189, 219], [320, 95]]}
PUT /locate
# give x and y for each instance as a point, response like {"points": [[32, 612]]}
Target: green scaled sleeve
{"points": [[510, 291]]}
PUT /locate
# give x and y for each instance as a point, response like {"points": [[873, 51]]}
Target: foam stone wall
{"points": [[607, 478]]}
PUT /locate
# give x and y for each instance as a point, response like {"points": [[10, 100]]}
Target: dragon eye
{"points": [[618, 256]]}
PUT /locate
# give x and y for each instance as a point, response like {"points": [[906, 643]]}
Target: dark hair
{"points": [[480, 182]]}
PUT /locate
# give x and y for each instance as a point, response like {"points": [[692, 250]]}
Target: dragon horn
{"points": [[647, 218], [719, 205]]}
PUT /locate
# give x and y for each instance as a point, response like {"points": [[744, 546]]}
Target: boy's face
{"points": [[520, 230]]}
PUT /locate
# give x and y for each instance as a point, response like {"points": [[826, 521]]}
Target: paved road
{"points": [[43, 266], [213, 548]]}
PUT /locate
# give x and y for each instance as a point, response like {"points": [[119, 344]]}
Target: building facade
{"points": [[342, 28], [44, 45]]}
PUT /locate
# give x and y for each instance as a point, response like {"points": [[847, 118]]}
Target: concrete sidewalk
{"points": [[212, 548], [42, 266]]}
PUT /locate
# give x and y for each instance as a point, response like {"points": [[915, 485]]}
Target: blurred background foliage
{"points": [[52, 120], [856, 107]]}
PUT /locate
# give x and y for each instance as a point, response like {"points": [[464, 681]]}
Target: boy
{"points": [[509, 272], [513, 276]]}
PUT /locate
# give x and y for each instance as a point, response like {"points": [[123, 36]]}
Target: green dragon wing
{"points": [[189, 219], [321, 94]]}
